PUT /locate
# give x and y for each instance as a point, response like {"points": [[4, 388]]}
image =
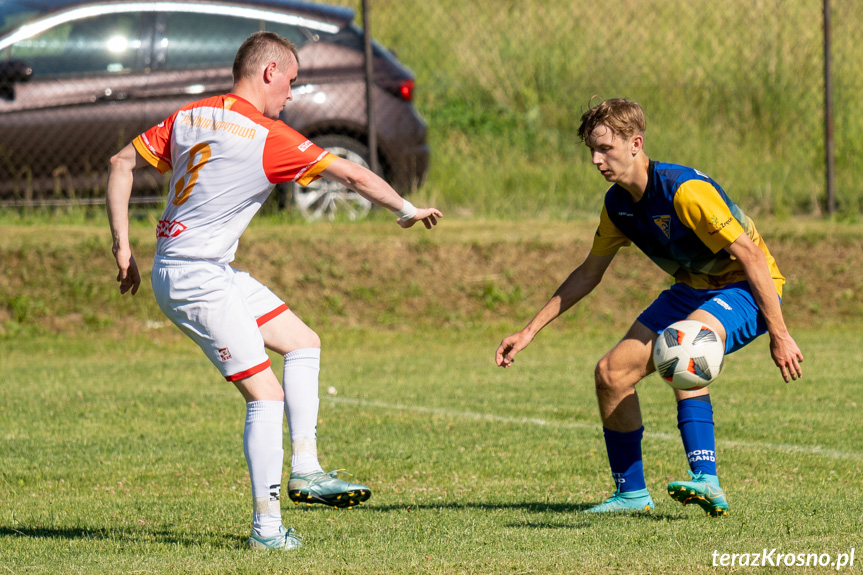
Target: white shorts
{"points": [[220, 308]]}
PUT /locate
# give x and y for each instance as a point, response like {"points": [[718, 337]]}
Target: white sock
{"points": [[300, 383], [262, 444]]}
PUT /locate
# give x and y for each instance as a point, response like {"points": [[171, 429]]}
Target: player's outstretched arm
{"points": [[372, 187], [120, 177], [574, 288], [786, 355]]}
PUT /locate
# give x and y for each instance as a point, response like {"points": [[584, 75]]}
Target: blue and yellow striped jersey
{"points": [[682, 222]]}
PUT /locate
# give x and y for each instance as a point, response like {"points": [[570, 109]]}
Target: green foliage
{"points": [[23, 308], [493, 296]]}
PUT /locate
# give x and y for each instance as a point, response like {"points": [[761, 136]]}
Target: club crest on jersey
{"points": [[664, 223], [228, 103]]}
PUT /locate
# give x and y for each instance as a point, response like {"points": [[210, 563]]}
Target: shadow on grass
{"points": [[137, 535], [533, 507], [573, 509], [563, 511]]}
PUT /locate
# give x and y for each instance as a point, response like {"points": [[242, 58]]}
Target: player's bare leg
{"points": [[286, 333], [616, 375]]}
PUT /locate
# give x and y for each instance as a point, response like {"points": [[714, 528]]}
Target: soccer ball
{"points": [[688, 355]]}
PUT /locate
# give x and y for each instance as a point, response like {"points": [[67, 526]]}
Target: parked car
{"points": [[80, 78]]}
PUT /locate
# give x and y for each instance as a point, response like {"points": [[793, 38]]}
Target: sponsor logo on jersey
{"points": [[664, 223], [224, 354], [169, 228], [627, 214], [305, 146], [218, 125], [717, 225], [721, 303]]}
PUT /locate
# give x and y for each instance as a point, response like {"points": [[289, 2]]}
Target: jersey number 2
{"points": [[183, 187]]}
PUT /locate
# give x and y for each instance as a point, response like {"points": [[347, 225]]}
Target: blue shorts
{"points": [[733, 306]]}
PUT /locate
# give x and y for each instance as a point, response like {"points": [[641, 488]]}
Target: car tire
{"points": [[323, 199]]}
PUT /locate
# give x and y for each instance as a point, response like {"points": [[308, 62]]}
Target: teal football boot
{"points": [[624, 501], [703, 490], [327, 489], [286, 540]]}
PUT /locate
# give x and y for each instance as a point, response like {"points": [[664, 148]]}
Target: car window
{"points": [[292, 33], [108, 43], [209, 40], [13, 13], [204, 40], [10, 21]]}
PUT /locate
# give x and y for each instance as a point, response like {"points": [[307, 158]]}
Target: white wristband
{"points": [[408, 212]]}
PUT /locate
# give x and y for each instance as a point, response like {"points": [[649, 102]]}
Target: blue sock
{"points": [[695, 421], [624, 455]]}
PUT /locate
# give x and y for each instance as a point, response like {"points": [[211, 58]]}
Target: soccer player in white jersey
{"points": [[227, 153]]}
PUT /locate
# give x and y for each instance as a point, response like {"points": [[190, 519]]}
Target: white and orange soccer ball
{"points": [[688, 355]]}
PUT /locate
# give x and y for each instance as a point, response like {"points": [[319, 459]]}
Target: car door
{"points": [[82, 104]]}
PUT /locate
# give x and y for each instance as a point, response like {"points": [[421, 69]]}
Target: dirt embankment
{"points": [[344, 275]]}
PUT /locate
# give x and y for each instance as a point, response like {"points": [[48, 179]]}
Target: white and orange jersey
{"points": [[226, 157]]}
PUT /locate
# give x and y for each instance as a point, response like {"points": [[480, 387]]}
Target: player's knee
{"points": [[305, 338], [602, 375], [313, 340], [607, 378]]}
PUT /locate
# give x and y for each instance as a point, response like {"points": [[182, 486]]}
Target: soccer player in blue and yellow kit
{"points": [[724, 276]]}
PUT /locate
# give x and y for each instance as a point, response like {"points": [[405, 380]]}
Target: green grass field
{"points": [[122, 451], [125, 456]]}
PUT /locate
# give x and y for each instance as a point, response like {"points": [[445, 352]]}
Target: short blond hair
{"points": [[623, 117], [260, 49]]}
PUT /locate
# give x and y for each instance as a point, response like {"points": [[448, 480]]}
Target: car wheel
{"points": [[323, 198]]}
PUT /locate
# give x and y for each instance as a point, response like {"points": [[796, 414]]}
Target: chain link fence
{"points": [[735, 89]]}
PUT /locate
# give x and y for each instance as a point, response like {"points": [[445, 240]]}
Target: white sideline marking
{"points": [[783, 447]]}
